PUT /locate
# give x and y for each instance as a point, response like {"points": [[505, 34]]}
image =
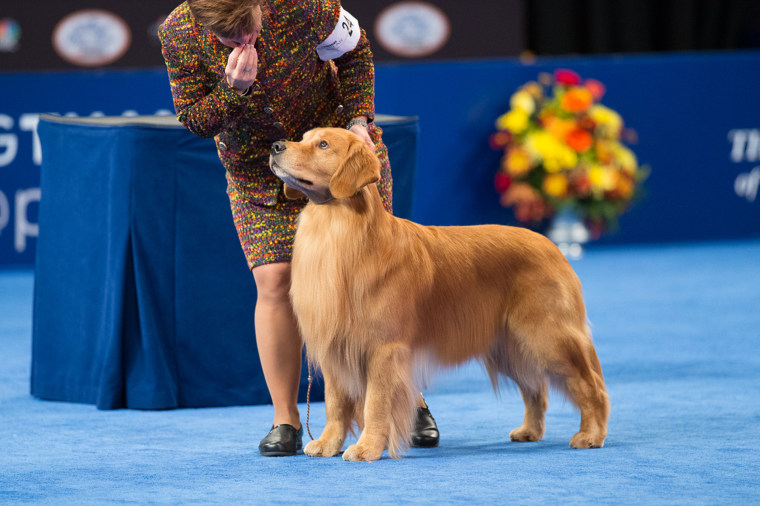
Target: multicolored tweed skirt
{"points": [[266, 233]]}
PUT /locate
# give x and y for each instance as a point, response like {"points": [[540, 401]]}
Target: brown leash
{"points": [[308, 405]]}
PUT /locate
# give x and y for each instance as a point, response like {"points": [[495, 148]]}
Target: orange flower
{"points": [[579, 140], [623, 187], [559, 128], [577, 99]]}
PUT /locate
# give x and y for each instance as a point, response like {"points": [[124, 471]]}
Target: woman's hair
{"points": [[227, 18]]}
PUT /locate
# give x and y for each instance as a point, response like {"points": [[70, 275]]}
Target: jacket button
{"points": [[268, 110], [339, 109], [278, 125], [222, 146], [257, 86]]}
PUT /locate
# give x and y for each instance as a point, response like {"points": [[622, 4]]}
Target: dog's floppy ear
{"points": [[360, 168], [292, 193]]}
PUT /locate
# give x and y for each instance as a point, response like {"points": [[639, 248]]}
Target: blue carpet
{"points": [[677, 329]]}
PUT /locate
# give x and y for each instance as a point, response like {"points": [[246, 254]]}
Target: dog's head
{"points": [[329, 163]]}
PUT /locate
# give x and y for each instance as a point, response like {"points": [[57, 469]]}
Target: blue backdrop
{"points": [[697, 116]]}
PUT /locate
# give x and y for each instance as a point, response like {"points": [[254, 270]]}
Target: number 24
{"points": [[348, 25]]}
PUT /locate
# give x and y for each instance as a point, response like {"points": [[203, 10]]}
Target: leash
{"points": [[308, 405]]}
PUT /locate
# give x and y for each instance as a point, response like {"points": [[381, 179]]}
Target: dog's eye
{"points": [[323, 145]]}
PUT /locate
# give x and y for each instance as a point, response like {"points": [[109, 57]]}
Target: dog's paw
{"points": [[586, 440], [319, 448], [357, 452], [525, 435]]}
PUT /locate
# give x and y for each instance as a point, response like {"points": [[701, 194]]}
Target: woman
{"points": [[248, 73]]}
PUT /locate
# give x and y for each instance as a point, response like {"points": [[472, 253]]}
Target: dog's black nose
{"points": [[278, 147]]}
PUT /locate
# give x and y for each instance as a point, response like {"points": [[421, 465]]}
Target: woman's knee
{"points": [[272, 281]]}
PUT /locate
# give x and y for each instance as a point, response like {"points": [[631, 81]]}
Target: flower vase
{"points": [[568, 231]]}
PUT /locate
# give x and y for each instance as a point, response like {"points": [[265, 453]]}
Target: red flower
{"points": [[502, 182], [567, 77], [596, 88]]}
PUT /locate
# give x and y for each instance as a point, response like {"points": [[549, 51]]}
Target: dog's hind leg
{"points": [[340, 412], [585, 385], [573, 367], [536, 401], [389, 404], [563, 352], [509, 359]]}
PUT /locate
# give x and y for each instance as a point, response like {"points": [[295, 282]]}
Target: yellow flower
{"points": [[523, 101], [516, 121], [625, 157], [602, 178], [517, 161], [554, 154], [604, 151], [608, 122], [569, 158], [555, 185]]}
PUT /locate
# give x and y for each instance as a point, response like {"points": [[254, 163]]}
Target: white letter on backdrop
{"points": [[25, 229]]}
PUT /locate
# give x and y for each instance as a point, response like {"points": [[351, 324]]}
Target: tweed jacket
{"points": [[294, 90]]}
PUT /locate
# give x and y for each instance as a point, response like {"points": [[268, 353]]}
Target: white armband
{"points": [[343, 38]]}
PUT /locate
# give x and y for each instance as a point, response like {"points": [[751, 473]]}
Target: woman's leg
{"points": [[278, 340]]}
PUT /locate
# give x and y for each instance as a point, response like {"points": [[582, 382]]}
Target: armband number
{"points": [[343, 38]]}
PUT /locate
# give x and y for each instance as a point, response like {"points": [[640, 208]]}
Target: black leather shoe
{"points": [[425, 433], [282, 441]]}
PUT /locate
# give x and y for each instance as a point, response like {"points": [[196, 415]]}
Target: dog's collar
{"points": [[329, 199]]}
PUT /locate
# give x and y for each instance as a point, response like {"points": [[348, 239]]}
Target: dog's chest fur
{"points": [[328, 284]]}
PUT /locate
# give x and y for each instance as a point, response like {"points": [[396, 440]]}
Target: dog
{"points": [[378, 299]]}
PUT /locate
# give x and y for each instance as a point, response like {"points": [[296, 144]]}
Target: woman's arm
{"points": [[343, 41], [203, 104]]}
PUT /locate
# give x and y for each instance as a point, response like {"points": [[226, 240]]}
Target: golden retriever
{"points": [[379, 298]]}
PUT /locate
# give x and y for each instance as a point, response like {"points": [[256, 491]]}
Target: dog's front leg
{"points": [[388, 406], [340, 410]]}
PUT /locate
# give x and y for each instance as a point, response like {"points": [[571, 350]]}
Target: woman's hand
{"points": [[363, 133], [241, 69]]}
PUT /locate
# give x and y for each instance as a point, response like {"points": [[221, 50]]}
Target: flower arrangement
{"points": [[563, 150]]}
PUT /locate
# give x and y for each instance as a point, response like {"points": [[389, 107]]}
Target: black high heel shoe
{"points": [[282, 441], [425, 433]]}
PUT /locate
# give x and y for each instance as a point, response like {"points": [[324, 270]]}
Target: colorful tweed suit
{"points": [[294, 91]]}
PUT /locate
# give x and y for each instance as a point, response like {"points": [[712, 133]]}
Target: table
{"points": [[142, 295]]}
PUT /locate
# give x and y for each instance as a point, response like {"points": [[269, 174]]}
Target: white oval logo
{"points": [[91, 37], [412, 29]]}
